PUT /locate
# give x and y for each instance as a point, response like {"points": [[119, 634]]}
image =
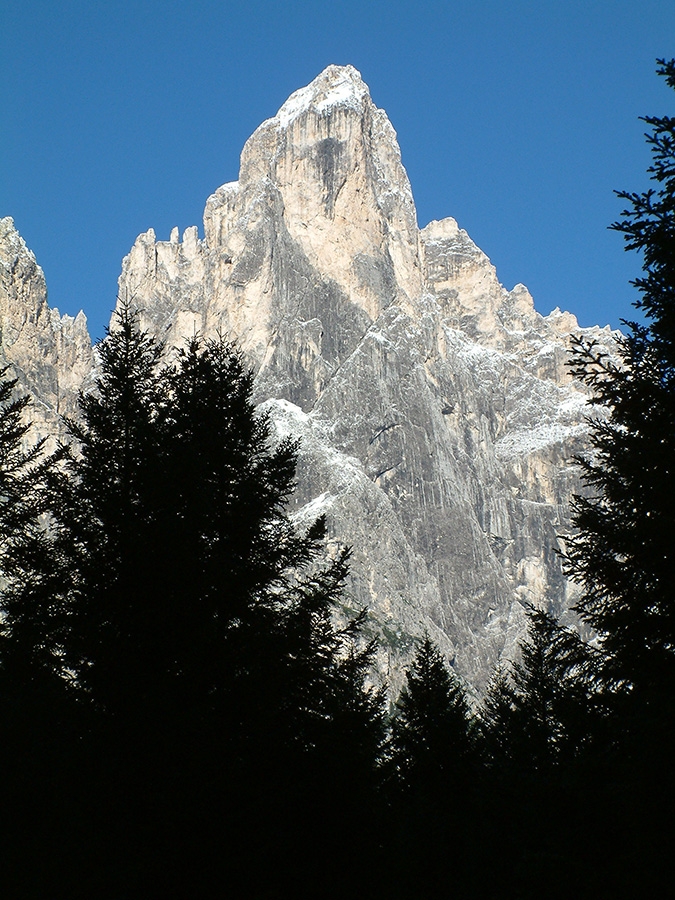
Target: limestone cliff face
{"points": [[437, 417], [50, 354], [436, 414]]}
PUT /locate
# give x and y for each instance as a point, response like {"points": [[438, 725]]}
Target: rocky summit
{"points": [[50, 355], [436, 415]]}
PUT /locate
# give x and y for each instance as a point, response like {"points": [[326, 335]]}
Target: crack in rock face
{"points": [[436, 415]]}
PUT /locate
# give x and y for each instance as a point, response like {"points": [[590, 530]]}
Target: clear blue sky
{"points": [[517, 118]]}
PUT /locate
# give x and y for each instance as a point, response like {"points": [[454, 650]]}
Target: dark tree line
{"points": [[171, 670], [577, 739], [184, 714]]}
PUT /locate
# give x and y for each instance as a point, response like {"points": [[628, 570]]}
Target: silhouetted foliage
{"points": [[431, 738], [622, 554], [17, 465], [623, 551], [212, 696], [38, 732], [27, 632], [542, 711]]}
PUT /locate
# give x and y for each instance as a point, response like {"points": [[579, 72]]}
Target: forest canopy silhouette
{"points": [[186, 709]]}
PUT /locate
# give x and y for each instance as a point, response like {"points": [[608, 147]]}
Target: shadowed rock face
{"points": [[436, 415]]}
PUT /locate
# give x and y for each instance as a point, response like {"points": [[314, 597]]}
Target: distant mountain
{"points": [[436, 416]]}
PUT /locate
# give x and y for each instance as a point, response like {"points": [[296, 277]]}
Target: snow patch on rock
{"points": [[336, 86]]}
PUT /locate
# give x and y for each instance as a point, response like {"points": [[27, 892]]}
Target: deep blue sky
{"points": [[517, 118]]}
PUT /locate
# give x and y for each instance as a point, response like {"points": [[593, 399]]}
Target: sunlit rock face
{"points": [[50, 354], [437, 417]]}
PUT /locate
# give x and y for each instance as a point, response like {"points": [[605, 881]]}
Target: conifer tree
{"points": [[107, 508], [623, 551], [232, 545], [431, 727], [541, 712], [431, 778], [37, 719], [497, 728], [194, 623], [28, 639], [182, 576], [16, 477]]}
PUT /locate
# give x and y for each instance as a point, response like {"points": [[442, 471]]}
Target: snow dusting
{"points": [[335, 86], [531, 440]]}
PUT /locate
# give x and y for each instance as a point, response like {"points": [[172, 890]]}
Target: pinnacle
{"points": [[337, 74], [336, 86]]}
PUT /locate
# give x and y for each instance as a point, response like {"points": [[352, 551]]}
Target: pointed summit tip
{"points": [[336, 86], [12, 245]]}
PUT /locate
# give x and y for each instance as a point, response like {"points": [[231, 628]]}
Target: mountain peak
{"points": [[336, 86], [434, 406]]}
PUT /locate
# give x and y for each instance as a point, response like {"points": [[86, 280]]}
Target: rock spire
{"points": [[436, 416]]}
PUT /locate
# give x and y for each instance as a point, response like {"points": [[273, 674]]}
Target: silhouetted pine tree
{"points": [[107, 507], [497, 727], [195, 625], [542, 712], [541, 742], [431, 779], [623, 552], [38, 721], [431, 726], [17, 464], [235, 552], [23, 470], [31, 616]]}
